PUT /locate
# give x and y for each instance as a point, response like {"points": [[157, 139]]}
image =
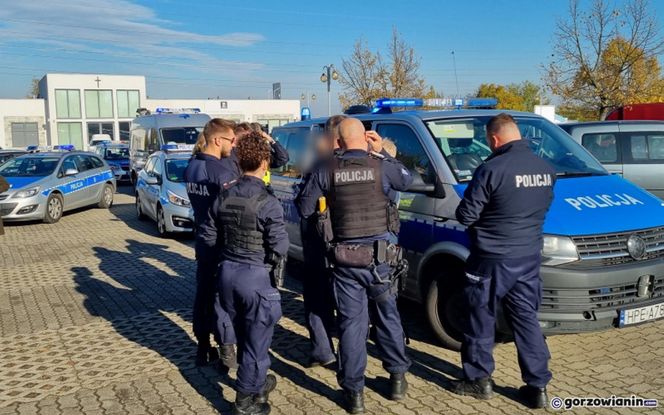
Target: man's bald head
{"points": [[500, 130], [352, 134]]}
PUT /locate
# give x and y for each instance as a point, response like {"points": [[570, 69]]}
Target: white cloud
{"points": [[119, 29]]}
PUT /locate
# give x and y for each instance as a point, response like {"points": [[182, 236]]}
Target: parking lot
{"points": [[95, 318]]}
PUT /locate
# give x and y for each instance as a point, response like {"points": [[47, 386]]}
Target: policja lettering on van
{"points": [[345, 176], [533, 180], [602, 201]]}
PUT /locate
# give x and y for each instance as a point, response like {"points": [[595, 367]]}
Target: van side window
{"points": [[149, 165], [603, 146], [646, 146], [153, 141], [409, 149], [156, 168], [281, 136], [138, 139], [296, 146]]}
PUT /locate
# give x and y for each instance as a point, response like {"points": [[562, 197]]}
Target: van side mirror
{"points": [[153, 180], [430, 189]]}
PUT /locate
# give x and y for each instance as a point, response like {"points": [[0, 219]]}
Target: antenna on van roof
{"points": [[142, 111]]}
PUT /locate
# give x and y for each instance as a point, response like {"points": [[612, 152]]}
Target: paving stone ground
{"points": [[95, 319]]}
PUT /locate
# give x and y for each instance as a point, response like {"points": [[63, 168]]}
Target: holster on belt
{"points": [[353, 255]]}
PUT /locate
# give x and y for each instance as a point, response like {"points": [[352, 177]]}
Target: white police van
{"points": [[149, 132], [603, 256]]}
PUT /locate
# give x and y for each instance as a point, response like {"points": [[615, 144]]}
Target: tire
{"points": [[54, 208], [139, 209], [106, 200], [445, 312], [161, 222]]}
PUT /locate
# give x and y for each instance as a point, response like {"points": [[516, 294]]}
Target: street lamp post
{"points": [[329, 73], [308, 97]]}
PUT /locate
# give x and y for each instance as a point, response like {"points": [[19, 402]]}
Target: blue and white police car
{"points": [[117, 157], [603, 256], [161, 194], [48, 182]]}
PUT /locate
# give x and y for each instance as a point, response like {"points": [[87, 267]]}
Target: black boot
{"points": [[534, 397], [354, 402], [270, 384], [213, 354], [246, 405], [479, 388], [202, 354], [399, 386], [228, 356]]}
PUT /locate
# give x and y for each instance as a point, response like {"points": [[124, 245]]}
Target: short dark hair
{"points": [[332, 124], [242, 127], [497, 122], [252, 150], [215, 126]]}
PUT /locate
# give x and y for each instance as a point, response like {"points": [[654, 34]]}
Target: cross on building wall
{"points": [[97, 81]]}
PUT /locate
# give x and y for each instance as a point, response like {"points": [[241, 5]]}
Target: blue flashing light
{"points": [[173, 147], [399, 102], [305, 113], [32, 148], [64, 147], [164, 110], [482, 103]]}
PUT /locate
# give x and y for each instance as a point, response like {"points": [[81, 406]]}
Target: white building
{"points": [[72, 107]]}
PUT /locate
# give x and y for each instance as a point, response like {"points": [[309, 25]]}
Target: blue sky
{"points": [[237, 49]]}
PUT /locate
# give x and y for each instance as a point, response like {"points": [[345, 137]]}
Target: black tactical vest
{"points": [[358, 205], [239, 218]]}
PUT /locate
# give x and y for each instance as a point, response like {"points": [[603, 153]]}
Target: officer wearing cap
{"points": [[504, 211], [254, 239], [317, 284], [356, 185], [204, 177]]}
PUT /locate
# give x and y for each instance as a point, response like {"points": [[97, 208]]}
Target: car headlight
{"points": [[558, 250], [177, 200], [22, 194]]}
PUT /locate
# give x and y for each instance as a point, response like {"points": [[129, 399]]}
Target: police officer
{"points": [[204, 178], [356, 185], [504, 208], [254, 239], [317, 284], [278, 154]]}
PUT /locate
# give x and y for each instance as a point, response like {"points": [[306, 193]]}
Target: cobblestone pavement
{"points": [[95, 318]]}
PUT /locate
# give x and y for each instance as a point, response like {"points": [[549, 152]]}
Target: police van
{"points": [[149, 132], [603, 255]]}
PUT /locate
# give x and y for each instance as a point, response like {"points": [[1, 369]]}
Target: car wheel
{"points": [[161, 222], [445, 311], [106, 200], [54, 208], [139, 208]]}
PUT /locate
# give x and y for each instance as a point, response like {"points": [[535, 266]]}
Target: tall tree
{"points": [[367, 76], [34, 88], [518, 97], [605, 57]]}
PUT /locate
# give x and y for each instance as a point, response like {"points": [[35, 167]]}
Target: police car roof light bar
{"points": [[175, 148], [164, 110], [64, 147]]}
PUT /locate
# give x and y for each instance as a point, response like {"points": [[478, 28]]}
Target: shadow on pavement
{"points": [[134, 304]]}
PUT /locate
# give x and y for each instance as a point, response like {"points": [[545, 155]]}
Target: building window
{"points": [[99, 104], [70, 133], [100, 128], [68, 103], [271, 123], [124, 128], [128, 103]]}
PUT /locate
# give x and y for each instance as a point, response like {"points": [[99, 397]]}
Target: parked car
{"points": [[99, 139], [48, 183], [9, 153], [632, 149], [117, 156], [161, 194], [166, 126], [604, 236]]}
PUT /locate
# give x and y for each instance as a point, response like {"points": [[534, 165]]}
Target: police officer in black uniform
{"points": [[205, 176], [356, 185], [504, 208], [278, 154], [317, 282], [254, 239]]}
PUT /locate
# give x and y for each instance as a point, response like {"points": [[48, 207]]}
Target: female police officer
{"points": [[254, 235]]}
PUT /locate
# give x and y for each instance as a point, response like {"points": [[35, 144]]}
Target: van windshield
{"points": [[463, 142], [181, 135]]}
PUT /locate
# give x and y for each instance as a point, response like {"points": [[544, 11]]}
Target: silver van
{"points": [[150, 132], [632, 149], [603, 255]]}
